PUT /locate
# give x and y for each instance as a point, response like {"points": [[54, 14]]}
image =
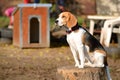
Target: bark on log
{"points": [[72, 73]]}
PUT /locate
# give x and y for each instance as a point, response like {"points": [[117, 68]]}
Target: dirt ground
{"points": [[40, 64]]}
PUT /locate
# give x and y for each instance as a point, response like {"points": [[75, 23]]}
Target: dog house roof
{"points": [[32, 5]]}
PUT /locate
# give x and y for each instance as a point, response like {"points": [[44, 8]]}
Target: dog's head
{"points": [[66, 19]]}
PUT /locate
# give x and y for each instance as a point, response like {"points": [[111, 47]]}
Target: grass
{"points": [[4, 21]]}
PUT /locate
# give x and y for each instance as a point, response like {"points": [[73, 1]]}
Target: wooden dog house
{"points": [[31, 26]]}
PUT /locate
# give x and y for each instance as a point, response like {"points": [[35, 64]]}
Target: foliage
{"points": [[52, 21], [4, 21], [80, 20]]}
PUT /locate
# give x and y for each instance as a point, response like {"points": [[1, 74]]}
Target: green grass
{"points": [[4, 21]]}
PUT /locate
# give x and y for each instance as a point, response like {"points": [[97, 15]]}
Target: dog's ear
{"points": [[72, 21]]}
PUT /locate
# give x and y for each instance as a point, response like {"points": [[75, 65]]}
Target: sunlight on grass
{"points": [[41, 54]]}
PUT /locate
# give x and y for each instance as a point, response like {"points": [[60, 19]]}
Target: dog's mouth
{"points": [[64, 27]]}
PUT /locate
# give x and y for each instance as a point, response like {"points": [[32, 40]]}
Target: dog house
{"points": [[31, 26]]}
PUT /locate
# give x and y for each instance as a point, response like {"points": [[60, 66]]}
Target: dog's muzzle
{"points": [[63, 26], [56, 21]]}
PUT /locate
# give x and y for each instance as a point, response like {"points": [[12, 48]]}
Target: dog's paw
{"points": [[80, 66], [88, 64], [77, 65]]}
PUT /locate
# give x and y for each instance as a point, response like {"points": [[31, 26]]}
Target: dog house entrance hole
{"points": [[34, 30]]}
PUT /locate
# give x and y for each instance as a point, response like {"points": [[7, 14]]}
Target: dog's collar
{"points": [[76, 27]]}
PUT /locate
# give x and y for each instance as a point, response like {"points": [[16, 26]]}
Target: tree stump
{"points": [[72, 73]]}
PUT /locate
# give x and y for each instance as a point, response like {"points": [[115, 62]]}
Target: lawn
{"points": [[40, 64]]}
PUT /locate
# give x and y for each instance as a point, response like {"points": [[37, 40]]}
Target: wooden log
{"points": [[72, 73]]}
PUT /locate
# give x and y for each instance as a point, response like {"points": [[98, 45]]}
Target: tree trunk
{"points": [[72, 73]]}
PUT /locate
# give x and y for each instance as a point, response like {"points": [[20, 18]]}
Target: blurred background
{"points": [[42, 63], [78, 7]]}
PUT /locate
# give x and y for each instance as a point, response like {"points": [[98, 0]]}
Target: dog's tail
{"points": [[108, 72]]}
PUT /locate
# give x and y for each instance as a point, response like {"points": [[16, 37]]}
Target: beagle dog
{"points": [[82, 43]]}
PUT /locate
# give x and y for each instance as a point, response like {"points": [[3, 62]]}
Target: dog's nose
{"points": [[56, 21]]}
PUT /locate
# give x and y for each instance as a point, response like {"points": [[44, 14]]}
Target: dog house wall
{"points": [[22, 17], [16, 32]]}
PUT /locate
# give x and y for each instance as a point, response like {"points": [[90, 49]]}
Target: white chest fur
{"points": [[75, 38]]}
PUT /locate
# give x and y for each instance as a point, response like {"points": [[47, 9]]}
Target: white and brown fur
{"points": [[82, 43]]}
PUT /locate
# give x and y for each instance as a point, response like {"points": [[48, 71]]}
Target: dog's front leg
{"points": [[77, 63], [81, 56]]}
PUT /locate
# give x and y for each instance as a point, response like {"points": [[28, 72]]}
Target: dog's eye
{"points": [[63, 16]]}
